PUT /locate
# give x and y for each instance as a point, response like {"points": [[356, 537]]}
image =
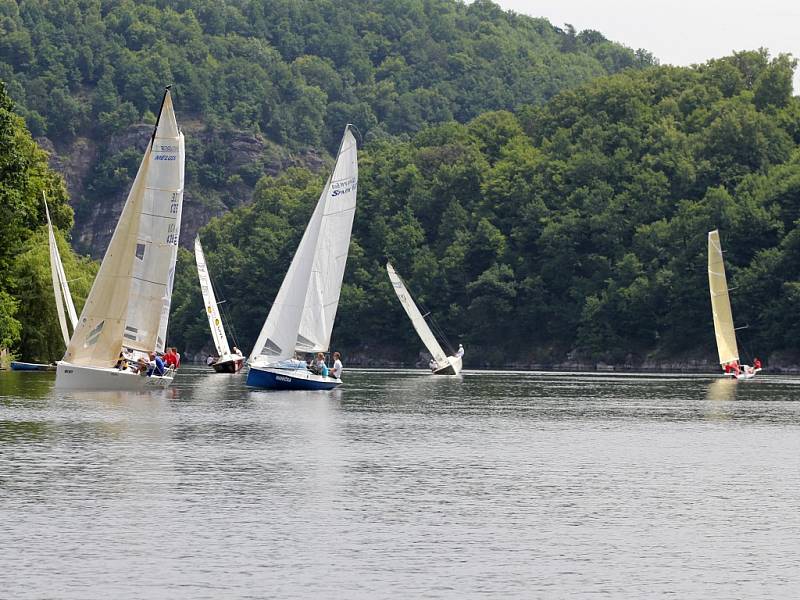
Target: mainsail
{"points": [[127, 299], [304, 310], [212, 310], [60, 284], [419, 322], [720, 302]]}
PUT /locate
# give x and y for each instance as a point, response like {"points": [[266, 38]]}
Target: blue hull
{"points": [[286, 381], [23, 366]]}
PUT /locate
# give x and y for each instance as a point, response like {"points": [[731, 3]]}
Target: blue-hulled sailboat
{"points": [[301, 318]]}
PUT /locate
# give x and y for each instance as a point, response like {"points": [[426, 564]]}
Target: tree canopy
{"points": [[27, 307], [572, 229]]}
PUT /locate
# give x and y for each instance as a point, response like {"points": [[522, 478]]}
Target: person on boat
{"points": [[210, 360], [122, 364], [337, 369], [460, 351], [433, 365], [156, 365], [319, 366], [239, 352], [171, 358], [756, 363], [177, 357], [140, 366]]}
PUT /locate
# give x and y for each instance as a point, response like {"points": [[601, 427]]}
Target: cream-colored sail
{"points": [[159, 229], [128, 293], [417, 320], [720, 302], [210, 299]]}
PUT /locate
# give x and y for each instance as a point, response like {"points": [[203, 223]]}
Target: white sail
{"points": [[330, 256], [301, 318], [720, 302], [212, 310], [419, 322], [129, 291], [60, 287]]}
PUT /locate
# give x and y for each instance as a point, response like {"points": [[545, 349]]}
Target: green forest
{"points": [[545, 193], [576, 229], [28, 322], [290, 71]]}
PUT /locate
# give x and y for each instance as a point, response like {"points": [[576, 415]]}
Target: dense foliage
{"points": [[26, 293], [291, 71], [573, 229]]}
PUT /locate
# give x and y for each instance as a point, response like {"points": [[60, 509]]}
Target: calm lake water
{"points": [[402, 485]]}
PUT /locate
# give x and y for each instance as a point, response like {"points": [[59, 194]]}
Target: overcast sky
{"points": [[680, 32]]}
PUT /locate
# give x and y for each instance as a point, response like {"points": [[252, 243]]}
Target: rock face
{"points": [[222, 168]]}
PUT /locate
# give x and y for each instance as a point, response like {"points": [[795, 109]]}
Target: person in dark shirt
{"points": [[156, 365]]}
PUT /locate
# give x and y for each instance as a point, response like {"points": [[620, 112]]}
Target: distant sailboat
{"points": [[227, 361], [128, 304], [441, 364], [62, 296], [302, 315], [721, 311]]}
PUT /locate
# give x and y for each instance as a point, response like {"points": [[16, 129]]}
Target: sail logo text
{"points": [[343, 187]]}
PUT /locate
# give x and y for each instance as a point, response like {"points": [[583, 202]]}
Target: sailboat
{"points": [[227, 361], [441, 364], [62, 295], [302, 315], [721, 311], [128, 305]]}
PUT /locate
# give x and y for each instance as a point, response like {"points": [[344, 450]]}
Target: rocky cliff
{"points": [[99, 176]]}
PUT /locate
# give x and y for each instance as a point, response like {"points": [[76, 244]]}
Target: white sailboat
{"points": [[441, 363], [62, 294], [302, 315], [128, 304], [227, 361], [721, 311]]}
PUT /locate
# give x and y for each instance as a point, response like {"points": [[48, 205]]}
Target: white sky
{"points": [[680, 32]]}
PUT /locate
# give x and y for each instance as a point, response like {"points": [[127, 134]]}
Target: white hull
{"points": [[77, 377], [452, 368], [747, 374]]}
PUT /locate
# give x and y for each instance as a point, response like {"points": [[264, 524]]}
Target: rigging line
{"points": [[227, 323]]}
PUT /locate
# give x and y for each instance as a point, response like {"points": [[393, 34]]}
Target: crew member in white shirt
{"points": [[336, 371]]}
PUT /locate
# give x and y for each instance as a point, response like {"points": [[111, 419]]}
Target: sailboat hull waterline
{"points": [[288, 379], [77, 377], [452, 368], [228, 364]]}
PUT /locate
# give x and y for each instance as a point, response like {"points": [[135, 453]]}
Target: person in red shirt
{"points": [[172, 358], [756, 363]]}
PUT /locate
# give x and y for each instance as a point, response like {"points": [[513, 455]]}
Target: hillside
{"points": [[262, 85], [575, 230], [28, 322]]}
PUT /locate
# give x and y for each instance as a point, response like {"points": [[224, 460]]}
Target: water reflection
{"points": [[722, 390], [401, 484]]}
